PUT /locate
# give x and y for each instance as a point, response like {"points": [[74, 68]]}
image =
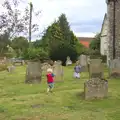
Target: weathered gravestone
{"points": [[96, 68], [95, 88], [115, 68], [45, 66], [33, 72], [58, 71], [83, 62], [11, 69], [68, 61]]}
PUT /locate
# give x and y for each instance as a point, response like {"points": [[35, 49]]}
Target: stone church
{"points": [[113, 29]]}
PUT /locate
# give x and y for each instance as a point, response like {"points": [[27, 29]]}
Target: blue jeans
{"points": [[51, 85]]}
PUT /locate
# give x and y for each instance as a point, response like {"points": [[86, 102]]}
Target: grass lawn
{"points": [[19, 101]]}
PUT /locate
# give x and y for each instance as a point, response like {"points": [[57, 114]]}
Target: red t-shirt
{"points": [[50, 78]]}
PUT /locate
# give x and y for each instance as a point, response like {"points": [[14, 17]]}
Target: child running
{"points": [[50, 80], [77, 70]]}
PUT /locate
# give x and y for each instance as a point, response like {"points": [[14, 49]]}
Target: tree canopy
{"points": [[60, 40]]}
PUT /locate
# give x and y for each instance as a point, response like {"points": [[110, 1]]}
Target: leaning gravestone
{"points": [[115, 68], [83, 62], [33, 72], [95, 88], [96, 68], [68, 61], [58, 71]]}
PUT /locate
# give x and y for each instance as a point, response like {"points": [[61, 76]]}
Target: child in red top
{"points": [[50, 80]]}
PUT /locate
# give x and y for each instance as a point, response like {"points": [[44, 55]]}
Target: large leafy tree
{"points": [[60, 41], [95, 46], [13, 21], [20, 45], [4, 41], [95, 43]]}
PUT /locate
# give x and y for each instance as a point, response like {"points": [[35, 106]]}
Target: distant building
{"points": [[85, 41]]}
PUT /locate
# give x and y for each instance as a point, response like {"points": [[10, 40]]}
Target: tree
{"points": [[20, 45], [60, 41], [11, 52], [36, 54], [65, 28], [4, 41], [13, 21], [95, 43]]}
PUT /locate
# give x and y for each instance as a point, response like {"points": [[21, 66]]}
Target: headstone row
{"points": [[34, 71], [96, 86]]}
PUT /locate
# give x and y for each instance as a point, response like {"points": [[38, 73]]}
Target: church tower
{"points": [[113, 16]]}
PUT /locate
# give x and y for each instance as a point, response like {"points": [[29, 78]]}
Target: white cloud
{"points": [[75, 10], [85, 34]]}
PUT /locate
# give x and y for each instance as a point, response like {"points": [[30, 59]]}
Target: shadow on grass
{"points": [[80, 95]]}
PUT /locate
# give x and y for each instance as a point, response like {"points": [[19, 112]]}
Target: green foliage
{"points": [[104, 58], [37, 43], [11, 52], [4, 41], [62, 52], [95, 44], [95, 47], [35, 54], [60, 41], [81, 49], [20, 45]]}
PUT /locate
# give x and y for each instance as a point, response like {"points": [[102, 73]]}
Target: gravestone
{"points": [[88, 60], [68, 61], [17, 61], [11, 69], [115, 68], [51, 62], [95, 88], [83, 62], [33, 72], [58, 71], [45, 66], [96, 68]]}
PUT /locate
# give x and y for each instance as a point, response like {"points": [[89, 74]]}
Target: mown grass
{"points": [[20, 101]]}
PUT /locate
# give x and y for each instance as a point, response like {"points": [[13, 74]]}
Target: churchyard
{"points": [[93, 92], [20, 101]]}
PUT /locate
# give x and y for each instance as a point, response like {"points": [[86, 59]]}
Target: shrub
{"points": [[35, 54]]}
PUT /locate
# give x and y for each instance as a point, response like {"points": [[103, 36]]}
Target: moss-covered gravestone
{"points": [[33, 73], [96, 68], [95, 88]]}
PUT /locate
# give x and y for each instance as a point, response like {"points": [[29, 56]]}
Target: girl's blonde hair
{"points": [[49, 70]]}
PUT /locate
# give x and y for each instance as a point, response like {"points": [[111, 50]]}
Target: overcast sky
{"points": [[85, 16]]}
